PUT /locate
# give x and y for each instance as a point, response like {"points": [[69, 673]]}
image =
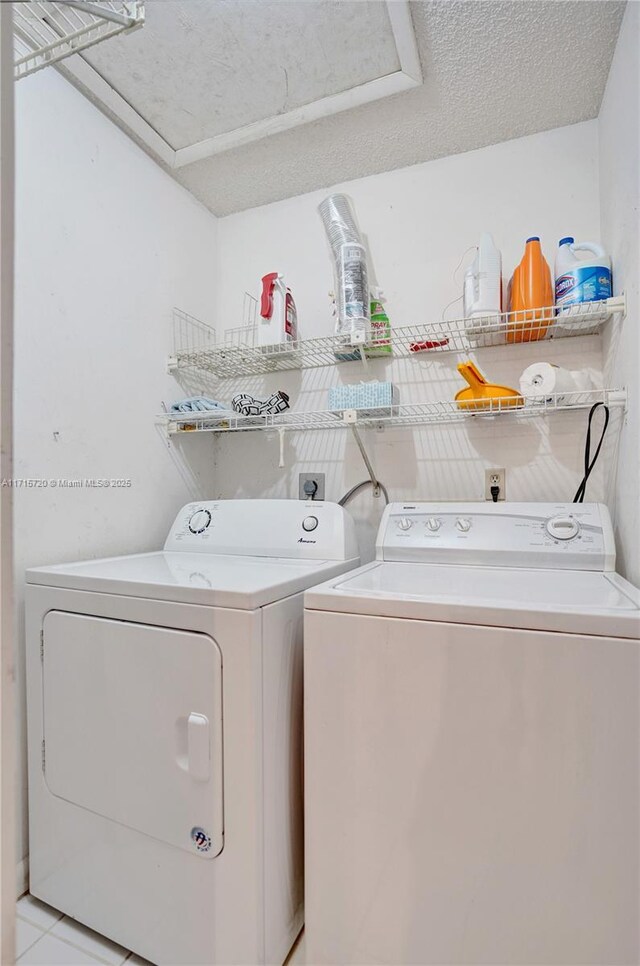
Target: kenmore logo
{"points": [[302, 540]]}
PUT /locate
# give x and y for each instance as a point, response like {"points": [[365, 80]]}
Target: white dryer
{"points": [[471, 743], [165, 731]]}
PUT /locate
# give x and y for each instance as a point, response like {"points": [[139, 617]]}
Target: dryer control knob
{"points": [[433, 524], [404, 523], [463, 524], [199, 521], [309, 523], [563, 527]]}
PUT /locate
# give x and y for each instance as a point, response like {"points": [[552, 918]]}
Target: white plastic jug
{"points": [[482, 293], [580, 280]]}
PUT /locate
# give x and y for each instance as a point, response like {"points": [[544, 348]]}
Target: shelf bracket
{"points": [[618, 303], [350, 417]]}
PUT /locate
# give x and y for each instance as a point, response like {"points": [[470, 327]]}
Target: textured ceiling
{"points": [[493, 70]]}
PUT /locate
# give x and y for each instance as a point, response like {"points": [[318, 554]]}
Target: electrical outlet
{"points": [[311, 480], [495, 478]]}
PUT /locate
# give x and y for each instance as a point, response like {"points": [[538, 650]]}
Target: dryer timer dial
{"points": [[199, 521]]}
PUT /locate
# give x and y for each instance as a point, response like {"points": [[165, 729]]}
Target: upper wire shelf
{"points": [[47, 31], [441, 411], [242, 358]]}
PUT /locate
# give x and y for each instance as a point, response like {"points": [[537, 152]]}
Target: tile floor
{"points": [[44, 937]]}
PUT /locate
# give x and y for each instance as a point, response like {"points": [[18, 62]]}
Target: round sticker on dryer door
{"points": [[200, 839]]}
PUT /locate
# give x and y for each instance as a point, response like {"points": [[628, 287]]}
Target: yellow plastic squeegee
{"points": [[483, 395]]}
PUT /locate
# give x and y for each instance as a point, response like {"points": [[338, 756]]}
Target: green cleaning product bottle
{"points": [[380, 327]]}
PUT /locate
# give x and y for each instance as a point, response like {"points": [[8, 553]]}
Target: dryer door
{"points": [[133, 726]]}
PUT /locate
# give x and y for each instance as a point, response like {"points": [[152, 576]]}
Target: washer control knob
{"points": [[463, 524], [433, 524], [563, 527], [309, 523], [199, 521], [404, 523]]}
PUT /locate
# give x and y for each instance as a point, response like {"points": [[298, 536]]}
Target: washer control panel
{"points": [[265, 528], [576, 536]]}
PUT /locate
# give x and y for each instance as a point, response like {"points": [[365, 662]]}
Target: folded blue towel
{"points": [[198, 404]]}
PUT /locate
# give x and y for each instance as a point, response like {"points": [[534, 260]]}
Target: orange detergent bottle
{"points": [[531, 296]]}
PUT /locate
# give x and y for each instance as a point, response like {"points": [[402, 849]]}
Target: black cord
{"points": [[588, 462]]}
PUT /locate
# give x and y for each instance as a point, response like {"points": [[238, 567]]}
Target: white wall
{"points": [[419, 221], [106, 243], [620, 190]]}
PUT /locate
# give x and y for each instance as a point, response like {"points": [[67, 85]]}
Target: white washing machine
{"points": [[471, 743], [165, 731]]}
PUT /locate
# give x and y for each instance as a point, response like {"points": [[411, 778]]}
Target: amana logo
{"points": [[302, 540]]}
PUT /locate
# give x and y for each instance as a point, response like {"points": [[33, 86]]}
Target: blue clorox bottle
{"points": [[579, 280]]}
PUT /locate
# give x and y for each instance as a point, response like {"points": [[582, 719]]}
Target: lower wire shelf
{"points": [[420, 414]]}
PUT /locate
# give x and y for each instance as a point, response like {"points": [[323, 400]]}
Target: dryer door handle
{"points": [[198, 747]]}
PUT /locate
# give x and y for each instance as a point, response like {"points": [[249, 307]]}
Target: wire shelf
{"points": [[47, 31], [229, 360], [442, 411]]}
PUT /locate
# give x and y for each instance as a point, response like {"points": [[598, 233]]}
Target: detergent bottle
{"points": [[530, 292], [580, 280], [278, 323], [380, 326]]}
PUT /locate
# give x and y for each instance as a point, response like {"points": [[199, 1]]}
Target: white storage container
{"points": [[482, 294], [580, 280]]}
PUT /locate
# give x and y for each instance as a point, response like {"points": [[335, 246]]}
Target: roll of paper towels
{"points": [[542, 380]]}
